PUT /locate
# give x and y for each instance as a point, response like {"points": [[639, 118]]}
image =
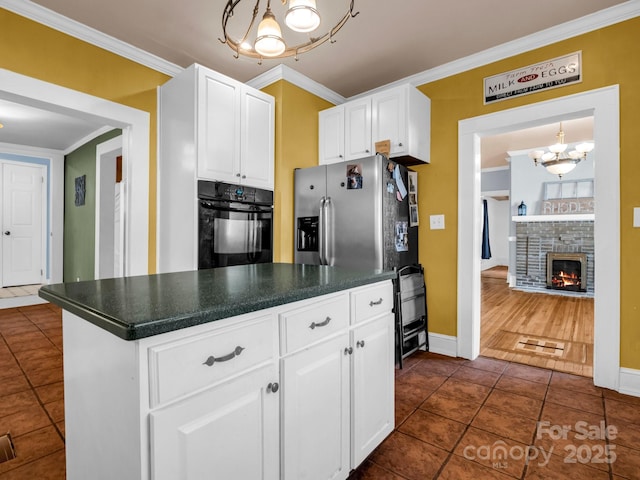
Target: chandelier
{"points": [[301, 16], [556, 161]]}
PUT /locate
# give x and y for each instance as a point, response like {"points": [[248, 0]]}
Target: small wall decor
{"points": [[80, 190]]}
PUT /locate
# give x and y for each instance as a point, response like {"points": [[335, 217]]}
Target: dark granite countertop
{"points": [[142, 306]]}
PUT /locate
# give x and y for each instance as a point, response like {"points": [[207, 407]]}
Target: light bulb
{"points": [[269, 42], [561, 168], [302, 15], [536, 154], [558, 147], [585, 147]]}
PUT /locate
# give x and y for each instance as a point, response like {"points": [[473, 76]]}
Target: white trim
{"points": [[630, 381], [588, 23], [495, 193], [135, 149], [282, 72], [604, 105], [494, 169], [443, 344], [575, 217], [90, 35], [24, 301], [87, 139], [55, 202], [109, 146]]}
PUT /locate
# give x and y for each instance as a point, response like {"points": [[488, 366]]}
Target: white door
{"points": [[331, 133], [22, 224], [357, 120], [390, 120], [257, 133]]}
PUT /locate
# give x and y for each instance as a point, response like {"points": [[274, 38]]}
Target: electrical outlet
{"points": [[636, 217], [436, 222]]}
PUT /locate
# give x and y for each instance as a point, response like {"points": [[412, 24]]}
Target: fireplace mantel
{"points": [[578, 217]]}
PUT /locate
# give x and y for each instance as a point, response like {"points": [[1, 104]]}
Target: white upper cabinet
{"points": [[401, 115], [357, 136], [217, 129], [235, 132], [331, 135]]}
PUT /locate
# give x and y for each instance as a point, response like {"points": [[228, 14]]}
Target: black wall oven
{"points": [[235, 225]]}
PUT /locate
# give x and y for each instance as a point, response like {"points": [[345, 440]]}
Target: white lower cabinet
{"points": [[230, 431], [372, 392], [315, 423], [302, 391]]}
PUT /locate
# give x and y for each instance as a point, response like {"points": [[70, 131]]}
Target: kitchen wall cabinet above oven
{"points": [[401, 115], [216, 127]]}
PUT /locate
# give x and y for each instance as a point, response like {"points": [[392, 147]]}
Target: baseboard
{"points": [[630, 381], [443, 344], [25, 301]]}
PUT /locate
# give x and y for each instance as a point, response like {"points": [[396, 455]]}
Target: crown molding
{"points": [[90, 35], [494, 169], [594, 21], [579, 26], [282, 72]]}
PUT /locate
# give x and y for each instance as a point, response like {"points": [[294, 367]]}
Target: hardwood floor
{"points": [[544, 330]]}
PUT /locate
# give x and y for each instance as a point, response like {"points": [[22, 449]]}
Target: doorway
{"points": [[23, 223], [109, 213], [603, 104], [135, 125]]}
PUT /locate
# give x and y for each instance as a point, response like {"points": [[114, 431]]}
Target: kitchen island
{"points": [[256, 371]]}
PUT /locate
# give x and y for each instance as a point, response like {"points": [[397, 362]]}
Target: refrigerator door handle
{"points": [[321, 229], [328, 233]]}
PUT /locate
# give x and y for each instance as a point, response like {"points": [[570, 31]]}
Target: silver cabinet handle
{"points": [[320, 324], [237, 174], [348, 350], [360, 343], [366, 151], [340, 156], [7, 232], [273, 387], [400, 144], [211, 360], [377, 302]]}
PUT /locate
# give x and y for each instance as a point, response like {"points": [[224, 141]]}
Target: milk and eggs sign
{"points": [[554, 73]]}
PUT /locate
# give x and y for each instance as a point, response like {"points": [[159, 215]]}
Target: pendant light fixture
{"points": [[556, 161], [269, 42], [300, 16]]}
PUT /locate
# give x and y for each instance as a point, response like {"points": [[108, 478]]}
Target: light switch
{"points": [[636, 217], [436, 222]]}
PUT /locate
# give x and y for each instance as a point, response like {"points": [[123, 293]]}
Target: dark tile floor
{"points": [[490, 419], [455, 419]]}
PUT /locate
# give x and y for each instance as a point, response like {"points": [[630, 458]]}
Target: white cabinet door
{"points": [[390, 119], [257, 132], [372, 390], [316, 412], [218, 128], [331, 135], [227, 432], [357, 115]]}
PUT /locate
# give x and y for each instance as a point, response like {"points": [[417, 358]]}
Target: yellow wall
{"points": [[296, 147], [32, 49], [610, 56]]}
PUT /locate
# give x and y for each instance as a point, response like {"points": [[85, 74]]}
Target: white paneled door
{"points": [[22, 224]]}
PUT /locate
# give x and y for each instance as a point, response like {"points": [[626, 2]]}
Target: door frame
{"points": [[135, 125], [104, 149], [604, 105], [43, 216]]}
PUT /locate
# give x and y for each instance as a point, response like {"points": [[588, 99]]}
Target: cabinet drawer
{"points": [[313, 322], [369, 302], [181, 367]]}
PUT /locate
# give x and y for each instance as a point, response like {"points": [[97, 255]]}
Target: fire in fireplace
{"points": [[567, 271]]}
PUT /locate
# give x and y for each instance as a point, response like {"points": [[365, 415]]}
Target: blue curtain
{"points": [[486, 248]]}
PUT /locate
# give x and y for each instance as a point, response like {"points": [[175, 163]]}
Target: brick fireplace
{"points": [[567, 244]]}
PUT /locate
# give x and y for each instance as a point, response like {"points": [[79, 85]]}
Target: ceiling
{"points": [[385, 42]]}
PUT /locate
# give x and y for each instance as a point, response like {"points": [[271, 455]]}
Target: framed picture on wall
{"points": [[80, 190]]}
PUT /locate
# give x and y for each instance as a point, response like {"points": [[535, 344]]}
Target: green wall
{"points": [[80, 221]]}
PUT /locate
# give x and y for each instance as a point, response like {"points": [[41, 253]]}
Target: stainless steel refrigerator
{"points": [[355, 214]]}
